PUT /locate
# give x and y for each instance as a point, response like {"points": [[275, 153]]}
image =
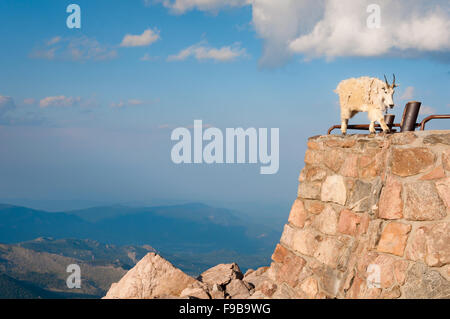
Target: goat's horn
{"points": [[393, 83], [385, 78]]}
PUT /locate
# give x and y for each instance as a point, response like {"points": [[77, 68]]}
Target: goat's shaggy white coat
{"points": [[365, 94]]}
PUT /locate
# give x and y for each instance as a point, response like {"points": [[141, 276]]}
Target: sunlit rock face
{"points": [[380, 227]]}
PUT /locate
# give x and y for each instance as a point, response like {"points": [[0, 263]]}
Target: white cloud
{"points": [[6, 105], [338, 28], [73, 49], [135, 102], [427, 110], [181, 6], [202, 51], [130, 102], [278, 22], [119, 104], [342, 31], [408, 94], [58, 101], [10, 114], [54, 40], [146, 38]]}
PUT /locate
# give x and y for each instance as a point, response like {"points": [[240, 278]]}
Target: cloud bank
{"points": [[422, 26], [181, 6], [130, 102], [202, 51], [11, 114], [58, 101], [6, 105], [79, 49], [146, 38], [338, 28], [408, 93]]}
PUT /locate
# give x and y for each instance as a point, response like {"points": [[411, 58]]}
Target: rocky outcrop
{"points": [[151, 277], [371, 220], [155, 277]]}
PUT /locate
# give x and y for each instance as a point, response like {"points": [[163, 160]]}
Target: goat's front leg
{"points": [[372, 127], [344, 126], [384, 126]]}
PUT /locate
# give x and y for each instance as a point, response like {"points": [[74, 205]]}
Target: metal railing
{"points": [[408, 123], [432, 117]]}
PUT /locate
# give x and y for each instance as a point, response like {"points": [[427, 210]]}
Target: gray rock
{"points": [[309, 190], [423, 283], [238, 289], [437, 138], [152, 277], [221, 275], [423, 202], [361, 197]]}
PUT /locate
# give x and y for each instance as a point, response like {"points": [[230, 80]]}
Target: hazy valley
{"points": [[37, 246]]}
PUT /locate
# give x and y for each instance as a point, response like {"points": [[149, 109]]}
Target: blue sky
{"points": [[84, 116]]}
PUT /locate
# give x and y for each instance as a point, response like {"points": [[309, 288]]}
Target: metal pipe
{"points": [[331, 129], [410, 116], [432, 117], [389, 119], [363, 127], [407, 124]]}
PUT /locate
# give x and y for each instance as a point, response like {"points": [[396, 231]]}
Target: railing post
{"points": [[410, 116], [389, 119]]}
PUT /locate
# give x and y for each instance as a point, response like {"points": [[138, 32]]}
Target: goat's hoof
{"points": [[344, 134]]}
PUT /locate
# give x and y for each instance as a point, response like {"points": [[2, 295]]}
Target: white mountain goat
{"points": [[365, 94]]}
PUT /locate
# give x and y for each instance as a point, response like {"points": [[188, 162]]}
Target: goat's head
{"points": [[387, 93]]}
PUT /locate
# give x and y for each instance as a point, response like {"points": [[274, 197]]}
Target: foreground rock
{"points": [[152, 277]]}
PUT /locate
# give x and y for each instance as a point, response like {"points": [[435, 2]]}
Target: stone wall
{"points": [[371, 219]]}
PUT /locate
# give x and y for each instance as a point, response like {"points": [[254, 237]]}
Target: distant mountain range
{"points": [[37, 269], [106, 241], [195, 227], [11, 288]]}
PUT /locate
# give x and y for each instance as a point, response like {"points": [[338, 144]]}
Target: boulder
{"points": [[221, 275], [424, 283], [239, 289], [152, 277]]}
